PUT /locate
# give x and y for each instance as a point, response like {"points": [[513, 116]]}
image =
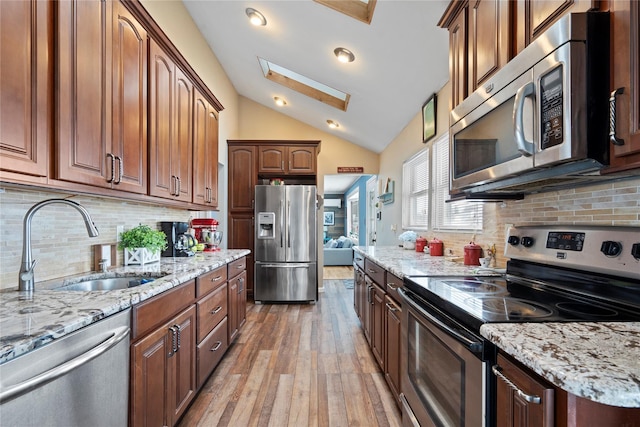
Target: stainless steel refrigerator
{"points": [[285, 243]]}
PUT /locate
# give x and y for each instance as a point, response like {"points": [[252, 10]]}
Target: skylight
{"points": [[304, 85], [362, 10]]}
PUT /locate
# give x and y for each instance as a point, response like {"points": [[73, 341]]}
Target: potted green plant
{"points": [[142, 245]]}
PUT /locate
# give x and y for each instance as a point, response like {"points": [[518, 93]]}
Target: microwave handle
{"points": [[524, 147]]}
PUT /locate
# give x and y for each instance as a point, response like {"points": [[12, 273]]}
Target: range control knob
{"points": [[611, 248], [527, 242], [513, 240], [635, 251]]}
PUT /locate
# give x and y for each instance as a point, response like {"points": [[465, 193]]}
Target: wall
{"points": [[605, 204]]}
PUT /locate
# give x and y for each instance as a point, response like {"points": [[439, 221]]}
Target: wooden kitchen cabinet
{"points": [[170, 127], [375, 314], [242, 177], [163, 372], [513, 409], [286, 159], [102, 96], [625, 69], [26, 29], [237, 297], [358, 290], [205, 152], [393, 314]]}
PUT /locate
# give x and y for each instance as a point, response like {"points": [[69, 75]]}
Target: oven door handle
{"points": [[473, 345]]}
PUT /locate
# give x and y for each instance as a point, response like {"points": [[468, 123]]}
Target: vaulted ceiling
{"points": [[401, 59]]}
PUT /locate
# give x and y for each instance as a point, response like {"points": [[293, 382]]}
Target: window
{"points": [[425, 189], [415, 192]]}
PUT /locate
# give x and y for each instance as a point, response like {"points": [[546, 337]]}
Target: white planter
{"points": [[140, 256], [409, 245]]}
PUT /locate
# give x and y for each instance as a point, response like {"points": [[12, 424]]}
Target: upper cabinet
{"points": [[205, 152], [25, 87], [287, 159], [625, 84], [485, 34]]}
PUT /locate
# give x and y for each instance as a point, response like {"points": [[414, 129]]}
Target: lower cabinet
{"points": [[178, 338], [393, 314]]}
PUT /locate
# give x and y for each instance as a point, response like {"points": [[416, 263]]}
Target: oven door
{"points": [[444, 379]]}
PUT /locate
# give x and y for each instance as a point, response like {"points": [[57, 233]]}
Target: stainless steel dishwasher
{"points": [[81, 379]]}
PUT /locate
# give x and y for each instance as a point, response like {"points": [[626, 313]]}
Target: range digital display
{"points": [[567, 241]]}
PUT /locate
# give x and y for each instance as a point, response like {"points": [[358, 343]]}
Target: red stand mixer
{"points": [[206, 231]]}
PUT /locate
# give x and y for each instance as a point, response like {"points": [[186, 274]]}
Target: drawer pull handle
{"points": [[239, 267], [217, 346], [391, 307], [369, 270], [215, 279], [392, 286], [216, 310], [531, 398]]}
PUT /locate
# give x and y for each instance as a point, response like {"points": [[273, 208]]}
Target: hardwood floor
{"points": [[298, 365], [337, 272]]}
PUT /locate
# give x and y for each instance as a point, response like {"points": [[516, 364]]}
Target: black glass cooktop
{"points": [[475, 300]]}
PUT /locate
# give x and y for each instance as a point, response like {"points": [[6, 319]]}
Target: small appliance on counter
{"points": [[179, 241], [206, 231]]}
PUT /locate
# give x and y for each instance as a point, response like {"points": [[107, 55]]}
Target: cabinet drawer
{"points": [[211, 280], [210, 351], [236, 267], [211, 310], [393, 282], [358, 259], [158, 309], [374, 271]]}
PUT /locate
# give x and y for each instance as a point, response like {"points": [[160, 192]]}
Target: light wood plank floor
{"points": [[298, 365]]}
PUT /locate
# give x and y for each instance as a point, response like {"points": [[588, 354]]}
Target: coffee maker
{"points": [[179, 241]]}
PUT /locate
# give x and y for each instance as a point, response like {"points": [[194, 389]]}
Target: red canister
{"points": [[421, 242], [472, 254], [436, 247]]}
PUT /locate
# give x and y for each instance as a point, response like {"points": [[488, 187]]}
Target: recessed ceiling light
{"points": [[255, 17], [279, 101], [344, 55], [332, 124]]}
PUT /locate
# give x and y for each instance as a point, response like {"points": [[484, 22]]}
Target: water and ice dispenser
{"points": [[266, 221]]}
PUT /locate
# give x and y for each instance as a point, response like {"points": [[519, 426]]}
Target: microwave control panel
{"points": [[551, 95]]}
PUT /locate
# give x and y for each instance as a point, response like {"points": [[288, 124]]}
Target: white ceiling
{"points": [[401, 59]]}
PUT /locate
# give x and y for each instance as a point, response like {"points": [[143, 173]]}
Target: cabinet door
{"points": [[25, 54], [392, 359], [242, 299], [205, 152], [367, 308], [150, 379], [513, 410], [84, 92], [378, 325], [182, 148], [129, 118], [301, 160], [232, 317], [241, 230], [183, 364], [458, 58], [242, 178], [488, 39], [625, 69], [272, 159], [161, 96]]}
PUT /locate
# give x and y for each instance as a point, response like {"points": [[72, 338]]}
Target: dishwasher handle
{"points": [[41, 379]]}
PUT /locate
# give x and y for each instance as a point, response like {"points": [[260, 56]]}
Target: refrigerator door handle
{"points": [[280, 265], [288, 223], [281, 224]]}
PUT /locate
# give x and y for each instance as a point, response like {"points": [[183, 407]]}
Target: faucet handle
{"points": [[28, 274], [103, 265]]}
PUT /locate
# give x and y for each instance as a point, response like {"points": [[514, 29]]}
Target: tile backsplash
{"points": [[59, 239]]}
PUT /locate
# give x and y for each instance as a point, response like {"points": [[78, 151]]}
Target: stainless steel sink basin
{"points": [[107, 284]]}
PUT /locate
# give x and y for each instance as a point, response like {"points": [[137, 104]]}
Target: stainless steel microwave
{"points": [[542, 119]]}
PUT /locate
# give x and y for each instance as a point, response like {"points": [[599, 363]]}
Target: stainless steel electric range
{"points": [[554, 274]]}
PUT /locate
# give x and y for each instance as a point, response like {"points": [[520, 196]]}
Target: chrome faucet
{"points": [[25, 278]]}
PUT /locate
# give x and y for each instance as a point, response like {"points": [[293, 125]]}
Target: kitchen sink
{"points": [[106, 284]]}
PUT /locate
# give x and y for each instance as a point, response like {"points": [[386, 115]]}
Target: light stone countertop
{"points": [[28, 322], [596, 361]]}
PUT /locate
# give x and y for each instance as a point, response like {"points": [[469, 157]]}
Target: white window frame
{"points": [[425, 187]]}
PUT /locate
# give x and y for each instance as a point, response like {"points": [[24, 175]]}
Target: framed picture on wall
{"points": [[329, 218], [429, 119]]}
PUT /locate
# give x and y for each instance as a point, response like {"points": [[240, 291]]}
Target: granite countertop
{"points": [[31, 321], [405, 262], [596, 361]]}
